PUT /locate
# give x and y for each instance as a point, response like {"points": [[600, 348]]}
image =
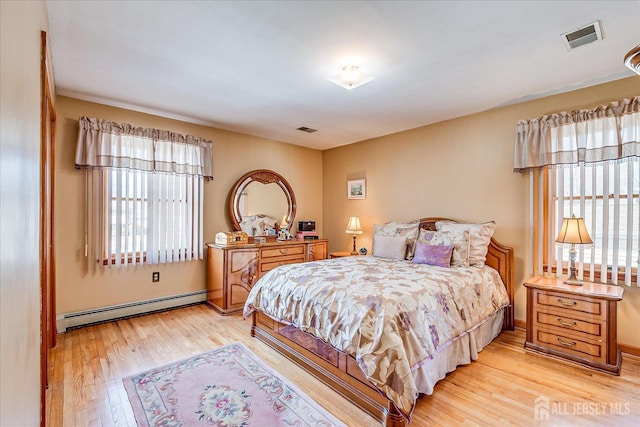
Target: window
{"points": [[585, 163], [152, 217], [607, 196], [144, 193]]}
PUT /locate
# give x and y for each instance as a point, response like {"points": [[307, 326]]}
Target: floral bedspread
{"points": [[390, 315]]}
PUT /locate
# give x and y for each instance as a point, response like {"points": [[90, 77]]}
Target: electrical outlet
{"points": [[155, 276]]}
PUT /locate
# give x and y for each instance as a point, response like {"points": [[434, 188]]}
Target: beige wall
{"points": [[461, 169], [20, 26], [233, 155]]}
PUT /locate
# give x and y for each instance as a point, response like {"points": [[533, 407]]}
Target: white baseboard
{"points": [[79, 318]]}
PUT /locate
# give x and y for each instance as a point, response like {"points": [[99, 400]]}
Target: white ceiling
{"points": [[261, 67]]}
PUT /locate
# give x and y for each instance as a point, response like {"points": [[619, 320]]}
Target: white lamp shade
{"points": [[353, 227], [574, 230]]}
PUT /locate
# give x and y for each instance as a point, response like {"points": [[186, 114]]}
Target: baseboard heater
{"points": [[86, 317]]}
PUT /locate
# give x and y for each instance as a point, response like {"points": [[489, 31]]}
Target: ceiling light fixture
{"points": [[632, 59], [351, 77]]}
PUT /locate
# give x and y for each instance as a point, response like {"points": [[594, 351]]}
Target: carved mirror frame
{"points": [[263, 176]]}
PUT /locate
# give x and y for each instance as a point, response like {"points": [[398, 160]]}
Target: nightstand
{"points": [[574, 323], [340, 254]]}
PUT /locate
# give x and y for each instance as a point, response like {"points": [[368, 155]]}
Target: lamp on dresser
{"points": [[353, 227], [573, 231]]}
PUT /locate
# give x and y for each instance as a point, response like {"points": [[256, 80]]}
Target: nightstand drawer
{"points": [[577, 327], [570, 305], [593, 351], [575, 323]]}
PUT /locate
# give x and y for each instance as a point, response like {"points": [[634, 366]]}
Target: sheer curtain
{"points": [[144, 193], [585, 163]]}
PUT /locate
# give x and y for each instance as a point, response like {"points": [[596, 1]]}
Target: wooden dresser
{"points": [[575, 323], [232, 270]]}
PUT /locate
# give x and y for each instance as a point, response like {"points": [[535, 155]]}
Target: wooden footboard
{"points": [[337, 370]]}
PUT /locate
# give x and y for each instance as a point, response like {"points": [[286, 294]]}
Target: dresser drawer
{"points": [[570, 345], [568, 325], [233, 269], [277, 262], [286, 251], [570, 305]]}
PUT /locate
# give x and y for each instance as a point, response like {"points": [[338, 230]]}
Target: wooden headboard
{"points": [[500, 257]]}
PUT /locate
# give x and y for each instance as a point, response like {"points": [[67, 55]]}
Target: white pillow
{"points": [[479, 238], [394, 247], [407, 230]]}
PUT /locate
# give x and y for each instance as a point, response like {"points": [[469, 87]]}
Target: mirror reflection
{"points": [[262, 207], [261, 202]]}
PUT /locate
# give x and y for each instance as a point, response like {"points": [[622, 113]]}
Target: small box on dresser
{"points": [[574, 323]]}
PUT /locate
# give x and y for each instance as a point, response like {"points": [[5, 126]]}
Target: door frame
{"points": [[47, 246]]}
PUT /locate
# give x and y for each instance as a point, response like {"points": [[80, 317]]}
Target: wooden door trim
{"points": [[47, 246]]}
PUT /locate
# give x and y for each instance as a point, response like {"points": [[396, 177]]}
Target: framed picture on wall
{"points": [[356, 189]]}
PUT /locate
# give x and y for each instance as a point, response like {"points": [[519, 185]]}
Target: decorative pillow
{"points": [[393, 247], [439, 255], [408, 230], [459, 239], [479, 238]]}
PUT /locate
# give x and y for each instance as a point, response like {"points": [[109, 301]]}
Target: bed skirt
{"points": [[460, 352]]}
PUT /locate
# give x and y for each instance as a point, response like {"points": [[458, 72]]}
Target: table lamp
{"points": [[573, 231], [353, 227]]}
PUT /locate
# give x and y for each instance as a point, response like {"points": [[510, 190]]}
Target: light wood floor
{"points": [[88, 364]]}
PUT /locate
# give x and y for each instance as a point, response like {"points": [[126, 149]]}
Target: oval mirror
{"points": [[259, 202]]}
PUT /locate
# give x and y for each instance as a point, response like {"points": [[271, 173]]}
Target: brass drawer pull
{"points": [[283, 251], [567, 304], [566, 343], [568, 324]]}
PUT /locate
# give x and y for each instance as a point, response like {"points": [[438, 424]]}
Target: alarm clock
{"points": [[363, 251]]}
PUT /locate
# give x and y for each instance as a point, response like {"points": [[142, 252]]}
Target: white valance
{"points": [[606, 133], [104, 144]]}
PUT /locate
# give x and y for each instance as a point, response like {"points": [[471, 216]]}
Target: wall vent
{"points": [[307, 130], [582, 36]]}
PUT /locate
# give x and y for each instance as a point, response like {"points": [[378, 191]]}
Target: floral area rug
{"points": [[225, 387]]}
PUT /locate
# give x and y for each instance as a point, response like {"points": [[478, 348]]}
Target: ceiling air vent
{"points": [[585, 35], [307, 130]]}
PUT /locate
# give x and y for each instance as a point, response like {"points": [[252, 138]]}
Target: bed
{"points": [[383, 379]]}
